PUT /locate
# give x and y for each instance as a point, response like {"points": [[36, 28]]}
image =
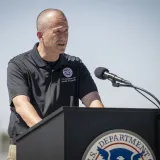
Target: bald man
{"points": [[43, 79]]}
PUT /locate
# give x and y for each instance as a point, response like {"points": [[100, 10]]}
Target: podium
{"points": [[81, 134]]}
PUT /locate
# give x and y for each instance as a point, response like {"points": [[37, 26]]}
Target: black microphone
{"points": [[103, 73]]}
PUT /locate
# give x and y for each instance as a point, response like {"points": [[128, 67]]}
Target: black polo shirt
{"points": [[48, 86]]}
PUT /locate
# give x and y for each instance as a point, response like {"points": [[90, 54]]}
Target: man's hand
{"points": [[26, 110], [92, 100]]}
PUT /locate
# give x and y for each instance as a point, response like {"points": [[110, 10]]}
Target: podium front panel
{"points": [[86, 124]]}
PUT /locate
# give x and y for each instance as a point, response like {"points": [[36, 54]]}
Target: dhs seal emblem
{"points": [[118, 145], [67, 72]]}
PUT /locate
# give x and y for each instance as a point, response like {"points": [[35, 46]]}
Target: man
{"points": [[45, 78]]}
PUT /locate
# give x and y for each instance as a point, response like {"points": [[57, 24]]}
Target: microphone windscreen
{"points": [[99, 72]]}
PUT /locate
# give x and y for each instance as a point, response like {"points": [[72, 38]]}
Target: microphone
{"points": [[103, 73]]}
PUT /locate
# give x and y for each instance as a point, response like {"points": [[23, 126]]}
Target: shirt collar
{"points": [[40, 62]]}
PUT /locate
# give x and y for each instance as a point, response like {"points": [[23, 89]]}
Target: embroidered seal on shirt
{"points": [[67, 72]]}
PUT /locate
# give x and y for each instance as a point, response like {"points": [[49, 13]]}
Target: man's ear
{"points": [[40, 36]]}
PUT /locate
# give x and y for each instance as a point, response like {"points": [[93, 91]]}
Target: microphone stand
{"points": [[116, 84], [157, 120]]}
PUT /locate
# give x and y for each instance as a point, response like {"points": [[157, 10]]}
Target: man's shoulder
{"points": [[72, 59], [20, 58]]}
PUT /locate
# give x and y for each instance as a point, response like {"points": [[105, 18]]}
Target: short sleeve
{"points": [[86, 82], [16, 81]]}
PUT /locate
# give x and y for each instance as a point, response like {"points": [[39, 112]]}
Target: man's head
{"points": [[52, 30]]}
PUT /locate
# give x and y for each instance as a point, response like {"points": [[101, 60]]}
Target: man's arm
{"points": [[88, 92], [19, 93], [26, 110], [92, 100]]}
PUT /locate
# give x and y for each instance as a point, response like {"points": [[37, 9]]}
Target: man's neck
{"points": [[46, 54]]}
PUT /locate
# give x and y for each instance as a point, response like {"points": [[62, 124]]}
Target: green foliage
{"points": [[4, 137]]}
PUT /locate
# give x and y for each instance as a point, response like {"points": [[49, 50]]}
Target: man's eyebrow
{"points": [[61, 27]]}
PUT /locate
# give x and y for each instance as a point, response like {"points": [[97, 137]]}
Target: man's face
{"points": [[55, 37]]}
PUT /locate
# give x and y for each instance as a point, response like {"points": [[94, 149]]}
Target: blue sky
{"points": [[121, 35]]}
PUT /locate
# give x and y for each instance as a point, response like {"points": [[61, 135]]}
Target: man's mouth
{"points": [[62, 44]]}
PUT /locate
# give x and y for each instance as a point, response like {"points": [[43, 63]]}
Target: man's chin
{"points": [[62, 50]]}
